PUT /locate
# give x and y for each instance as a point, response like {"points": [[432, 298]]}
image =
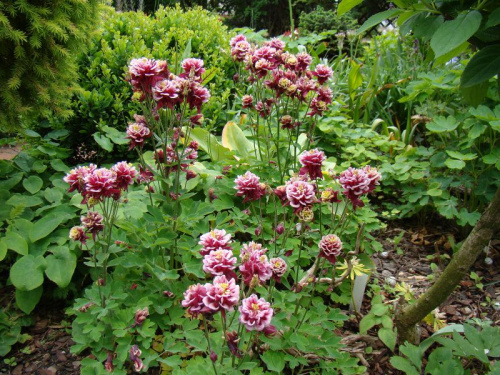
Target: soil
{"points": [[48, 351]]}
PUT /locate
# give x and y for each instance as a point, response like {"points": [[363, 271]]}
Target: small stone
{"points": [[386, 273], [384, 254], [496, 306], [488, 261], [391, 281], [466, 310]]}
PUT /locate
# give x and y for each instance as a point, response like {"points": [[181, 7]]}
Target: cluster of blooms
{"points": [[92, 223], [220, 295], [99, 183], [223, 294], [300, 192], [152, 79], [358, 182], [287, 74]]}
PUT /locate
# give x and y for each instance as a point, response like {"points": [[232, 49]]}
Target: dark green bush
{"points": [[38, 45], [321, 19], [104, 100]]}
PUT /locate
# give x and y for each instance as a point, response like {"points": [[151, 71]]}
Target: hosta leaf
{"points": [[33, 184], [16, 242], [27, 273], [46, 225], [61, 265], [27, 300]]}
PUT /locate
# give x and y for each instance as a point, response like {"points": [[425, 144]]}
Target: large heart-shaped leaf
{"points": [[47, 224], [33, 184], [27, 300], [61, 265], [27, 273]]}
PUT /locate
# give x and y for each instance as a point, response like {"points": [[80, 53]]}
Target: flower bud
{"points": [[280, 229], [258, 231], [213, 356]]}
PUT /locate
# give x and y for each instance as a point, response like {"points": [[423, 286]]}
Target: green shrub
{"points": [[37, 48], [320, 20], [170, 34]]}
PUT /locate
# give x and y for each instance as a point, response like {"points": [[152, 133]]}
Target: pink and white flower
{"points": [[76, 178], [300, 194], [278, 267], [255, 313], [193, 299], [249, 187], [355, 183], [222, 294], [125, 174], [138, 132], [255, 267], [216, 239], [77, 233], [322, 73], [144, 73], [220, 262], [330, 247], [93, 222], [193, 68], [101, 183], [311, 162]]}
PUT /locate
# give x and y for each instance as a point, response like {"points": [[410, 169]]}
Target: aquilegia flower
{"points": [[214, 240], [193, 299], [125, 174], [249, 186], [101, 183], [138, 132], [255, 267], [311, 162], [330, 247], [76, 178], [220, 262], [77, 233], [144, 73], [278, 267], [255, 313], [92, 221], [222, 294], [322, 73], [140, 316], [356, 182], [300, 194], [135, 354]]}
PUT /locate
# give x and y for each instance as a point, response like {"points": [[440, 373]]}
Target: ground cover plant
{"points": [[241, 225]]}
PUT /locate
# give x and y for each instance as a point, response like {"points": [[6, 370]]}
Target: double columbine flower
{"points": [[358, 182], [330, 247], [255, 268], [249, 187], [300, 194], [220, 262], [311, 162], [215, 240], [255, 313], [138, 132]]}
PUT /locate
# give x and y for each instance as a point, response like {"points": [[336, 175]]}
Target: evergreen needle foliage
{"points": [[39, 41]]}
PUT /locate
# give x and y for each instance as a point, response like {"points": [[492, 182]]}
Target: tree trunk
{"points": [[118, 5], [457, 269]]}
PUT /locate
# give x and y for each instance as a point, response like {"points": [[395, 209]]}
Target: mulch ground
{"points": [[48, 351]]}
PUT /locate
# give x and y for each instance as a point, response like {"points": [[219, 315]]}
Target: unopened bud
{"points": [[280, 229], [213, 356], [258, 230]]}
